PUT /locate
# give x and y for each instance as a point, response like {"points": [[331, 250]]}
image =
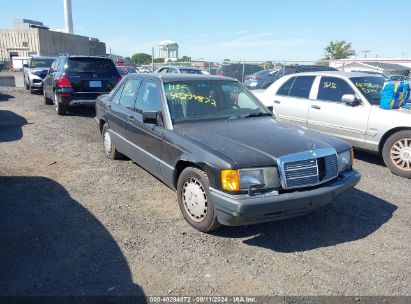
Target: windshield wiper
{"points": [[256, 114]]}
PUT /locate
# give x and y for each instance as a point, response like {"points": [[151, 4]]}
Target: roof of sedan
{"points": [[336, 73], [181, 77]]}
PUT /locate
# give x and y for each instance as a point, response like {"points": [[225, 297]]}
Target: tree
{"points": [[159, 60], [226, 60], [339, 50], [184, 59], [141, 58], [268, 65]]}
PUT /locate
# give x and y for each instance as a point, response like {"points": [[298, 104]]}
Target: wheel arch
{"points": [[185, 163], [388, 134]]}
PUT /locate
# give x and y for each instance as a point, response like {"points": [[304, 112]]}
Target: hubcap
{"points": [[194, 199], [107, 142], [401, 154]]}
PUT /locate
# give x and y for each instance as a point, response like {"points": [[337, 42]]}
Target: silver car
{"points": [[35, 71], [345, 105]]}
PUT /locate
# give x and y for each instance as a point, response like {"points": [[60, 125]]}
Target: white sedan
{"points": [[345, 105]]}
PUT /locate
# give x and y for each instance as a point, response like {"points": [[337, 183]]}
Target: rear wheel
{"points": [[46, 100], [109, 149], [397, 153], [194, 200], [61, 109], [26, 85]]}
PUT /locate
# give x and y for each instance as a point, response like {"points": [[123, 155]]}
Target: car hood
{"points": [[253, 142], [38, 69]]}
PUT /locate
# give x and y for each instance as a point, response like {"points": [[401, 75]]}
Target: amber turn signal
{"points": [[230, 180]]}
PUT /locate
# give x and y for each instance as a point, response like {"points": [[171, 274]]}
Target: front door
{"points": [[328, 114]]}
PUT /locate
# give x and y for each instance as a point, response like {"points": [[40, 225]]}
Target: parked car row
{"points": [[263, 79]]}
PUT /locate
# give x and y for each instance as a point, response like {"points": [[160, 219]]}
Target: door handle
{"points": [[315, 107], [131, 118], [277, 101], [109, 107]]}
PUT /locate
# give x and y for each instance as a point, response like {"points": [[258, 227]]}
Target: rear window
{"points": [[99, 66]]}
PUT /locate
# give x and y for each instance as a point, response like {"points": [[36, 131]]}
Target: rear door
{"points": [[120, 106], [145, 138], [91, 76], [291, 101], [328, 114]]}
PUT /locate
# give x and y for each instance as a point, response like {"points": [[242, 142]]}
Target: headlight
{"points": [[236, 180], [344, 161]]}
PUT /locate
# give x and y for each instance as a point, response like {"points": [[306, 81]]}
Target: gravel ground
{"points": [[75, 223]]}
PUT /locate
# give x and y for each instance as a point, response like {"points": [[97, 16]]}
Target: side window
{"points": [[163, 71], [301, 87], [285, 88], [129, 92], [332, 89], [172, 70], [117, 95], [60, 64], [53, 65], [148, 98]]}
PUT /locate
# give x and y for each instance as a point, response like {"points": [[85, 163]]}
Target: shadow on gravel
{"points": [[52, 246], [11, 126], [5, 97], [353, 216], [84, 111], [371, 158]]}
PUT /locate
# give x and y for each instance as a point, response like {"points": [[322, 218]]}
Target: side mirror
{"points": [[153, 118], [350, 99], [25, 65], [271, 109]]}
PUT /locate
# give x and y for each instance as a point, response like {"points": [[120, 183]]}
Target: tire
{"points": [[26, 85], [109, 149], [193, 197], [61, 109], [46, 100], [397, 153]]}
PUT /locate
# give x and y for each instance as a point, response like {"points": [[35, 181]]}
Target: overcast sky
{"points": [[235, 29]]}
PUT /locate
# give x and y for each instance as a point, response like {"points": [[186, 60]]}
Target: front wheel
{"points": [[193, 197], [397, 153]]}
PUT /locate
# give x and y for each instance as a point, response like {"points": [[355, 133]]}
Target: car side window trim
{"points": [[335, 78]]}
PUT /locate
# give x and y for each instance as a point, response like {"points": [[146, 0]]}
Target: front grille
{"points": [[308, 168]]}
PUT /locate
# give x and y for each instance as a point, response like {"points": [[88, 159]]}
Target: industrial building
{"points": [[29, 38]]}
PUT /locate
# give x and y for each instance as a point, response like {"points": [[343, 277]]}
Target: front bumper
{"points": [[235, 210]]}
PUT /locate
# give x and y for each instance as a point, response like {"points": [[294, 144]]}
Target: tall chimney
{"points": [[68, 18]]}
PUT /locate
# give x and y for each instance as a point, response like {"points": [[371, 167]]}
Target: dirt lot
{"points": [[74, 222]]}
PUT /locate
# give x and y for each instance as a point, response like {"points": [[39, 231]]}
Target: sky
{"points": [[259, 30]]}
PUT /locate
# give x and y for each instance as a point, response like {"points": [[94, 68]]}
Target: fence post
{"points": [[242, 78]]}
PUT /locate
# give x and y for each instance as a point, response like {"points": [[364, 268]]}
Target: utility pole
{"points": [[365, 52]]}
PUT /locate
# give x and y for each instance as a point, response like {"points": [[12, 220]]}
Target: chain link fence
{"points": [[253, 73]]}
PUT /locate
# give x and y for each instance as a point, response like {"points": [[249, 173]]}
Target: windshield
{"points": [[370, 87], [210, 99], [41, 63]]}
